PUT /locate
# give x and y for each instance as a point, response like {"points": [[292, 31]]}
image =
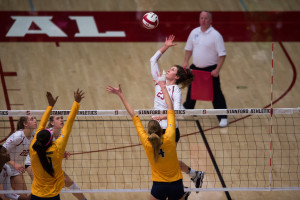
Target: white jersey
{"points": [[173, 90], [5, 175], [27, 160], [17, 146]]}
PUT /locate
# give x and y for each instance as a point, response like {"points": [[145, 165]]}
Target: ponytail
{"points": [[43, 142], [51, 119], [155, 133], [185, 75], [156, 144]]}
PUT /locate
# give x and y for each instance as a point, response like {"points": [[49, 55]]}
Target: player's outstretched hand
{"points": [[51, 100], [113, 90], [67, 154], [78, 95], [169, 41]]}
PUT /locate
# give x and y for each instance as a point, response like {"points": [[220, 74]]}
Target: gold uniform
{"points": [[43, 184], [167, 168]]}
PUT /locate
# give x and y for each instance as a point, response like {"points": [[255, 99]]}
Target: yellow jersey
{"points": [[43, 184], [166, 168]]}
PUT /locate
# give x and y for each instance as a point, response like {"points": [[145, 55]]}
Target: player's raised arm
{"points": [[118, 91], [155, 71], [168, 43], [65, 133], [46, 115]]}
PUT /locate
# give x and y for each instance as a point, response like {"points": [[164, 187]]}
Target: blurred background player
{"points": [[175, 76], [17, 145], [5, 174]]}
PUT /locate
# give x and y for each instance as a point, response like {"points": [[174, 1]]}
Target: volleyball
{"points": [[150, 20]]}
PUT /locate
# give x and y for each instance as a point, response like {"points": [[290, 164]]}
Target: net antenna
{"points": [[271, 117]]}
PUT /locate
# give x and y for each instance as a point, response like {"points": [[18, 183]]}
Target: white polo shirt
{"points": [[207, 46]]}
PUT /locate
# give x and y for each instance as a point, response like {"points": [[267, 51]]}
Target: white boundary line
{"points": [[266, 189]]}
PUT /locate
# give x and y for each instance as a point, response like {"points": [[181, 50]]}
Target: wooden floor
{"points": [[245, 77]]}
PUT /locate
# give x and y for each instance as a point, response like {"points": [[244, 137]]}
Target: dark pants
{"points": [[171, 190], [218, 101]]}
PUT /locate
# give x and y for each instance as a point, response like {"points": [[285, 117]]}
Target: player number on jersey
{"points": [[24, 153], [162, 153], [160, 95]]}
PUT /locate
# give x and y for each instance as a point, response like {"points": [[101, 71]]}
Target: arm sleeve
{"points": [[177, 99], [170, 130], [65, 133], [189, 43], [140, 130], [43, 122], [12, 141], [220, 46], [154, 65]]}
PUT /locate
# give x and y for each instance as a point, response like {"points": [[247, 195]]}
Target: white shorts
{"points": [[14, 172]]}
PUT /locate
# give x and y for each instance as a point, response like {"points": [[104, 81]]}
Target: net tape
{"points": [[149, 112]]}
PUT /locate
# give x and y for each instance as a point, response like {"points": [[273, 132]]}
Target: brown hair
{"points": [[185, 75], [21, 121], [51, 118], [155, 132]]}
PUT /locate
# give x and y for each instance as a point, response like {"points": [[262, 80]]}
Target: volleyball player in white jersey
{"points": [[5, 174], [175, 76], [56, 123], [17, 146]]}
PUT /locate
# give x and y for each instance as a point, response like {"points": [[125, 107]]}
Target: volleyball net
{"points": [[259, 150]]}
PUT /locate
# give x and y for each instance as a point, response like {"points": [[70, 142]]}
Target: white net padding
{"points": [[108, 157]]}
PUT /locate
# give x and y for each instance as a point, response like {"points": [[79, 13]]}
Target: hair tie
{"points": [[184, 70], [50, 137]]}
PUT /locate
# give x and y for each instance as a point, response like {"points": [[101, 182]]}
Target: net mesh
{"points": [[252, 153]]}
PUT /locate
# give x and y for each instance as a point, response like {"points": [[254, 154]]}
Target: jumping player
{"points": [[160, 149], [17, 145], [175, 76], [46, 156], [5, 175], [55, 125]]}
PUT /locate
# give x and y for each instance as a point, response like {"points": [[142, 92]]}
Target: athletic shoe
{"points": [[186, 194], [198, 179], [223, 122]]}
